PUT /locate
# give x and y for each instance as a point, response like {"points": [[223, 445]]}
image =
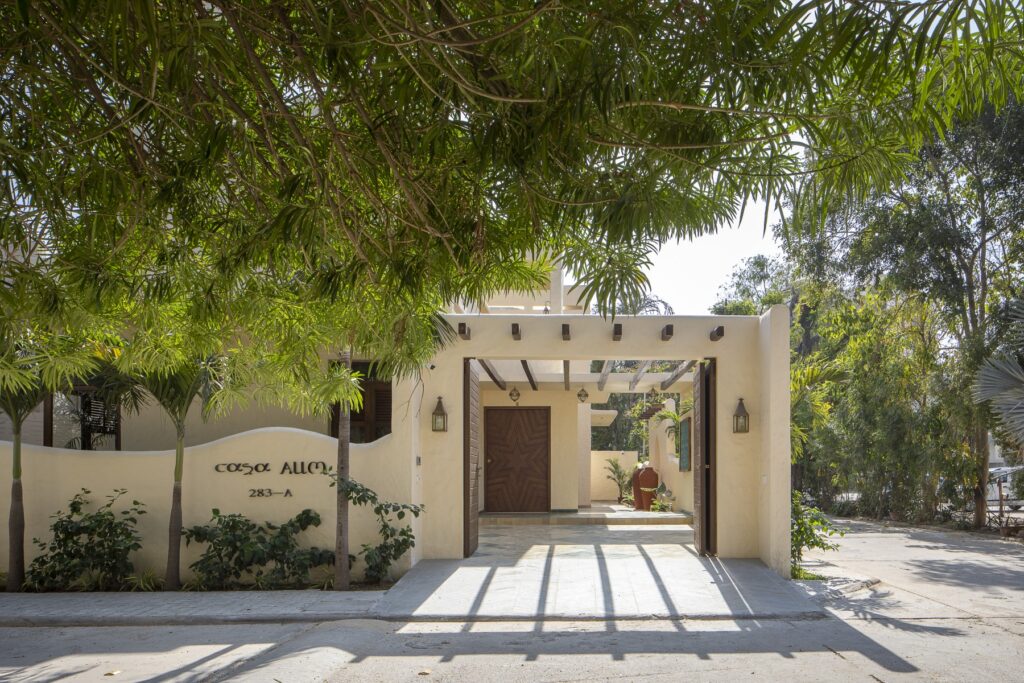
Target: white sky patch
{"points": [[688, 274]]}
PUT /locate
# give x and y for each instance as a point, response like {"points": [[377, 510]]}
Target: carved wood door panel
{"points": [[517, 448]]}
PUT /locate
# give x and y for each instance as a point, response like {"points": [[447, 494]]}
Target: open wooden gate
{"points": [[704, 502], [470, 458]]}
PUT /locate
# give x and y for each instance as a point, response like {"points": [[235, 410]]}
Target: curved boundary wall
{"points": [[267, 474]]}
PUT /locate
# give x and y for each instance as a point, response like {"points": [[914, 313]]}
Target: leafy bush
{"points": [[662, 499], [145, 582], [810, 529], [395, 541], [618, 474], [89, 550], [1017, 485], [239, 551]]}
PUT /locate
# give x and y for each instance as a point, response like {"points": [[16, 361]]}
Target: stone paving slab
{"points": [[591, 573], [159, 608]]}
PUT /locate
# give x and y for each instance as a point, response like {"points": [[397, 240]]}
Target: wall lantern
{"points": [[582, 395], [514, 395], [439, 418], [741, 419]]}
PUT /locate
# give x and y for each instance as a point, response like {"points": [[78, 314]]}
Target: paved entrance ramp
{"points": [[591, 572]]}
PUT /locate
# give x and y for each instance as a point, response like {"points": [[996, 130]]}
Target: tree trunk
{"points": [[16, 523], [172, 577], [342, 572], [981, 489]]}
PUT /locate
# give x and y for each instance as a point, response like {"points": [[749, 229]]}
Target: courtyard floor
{"points": [[591, 572], [903, 603]]}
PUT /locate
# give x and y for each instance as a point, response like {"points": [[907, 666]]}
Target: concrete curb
{"points": [[178, 620], [174, 620]]}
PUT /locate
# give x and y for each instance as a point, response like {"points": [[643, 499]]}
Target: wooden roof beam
{"points": [[640, 372], [680, 370], [565, 373], [529, 374], [605, 370], [492, 373]]}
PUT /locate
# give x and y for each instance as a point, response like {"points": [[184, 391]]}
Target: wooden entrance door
{"points": [[471, 458], [517, 449], [704, 503]]}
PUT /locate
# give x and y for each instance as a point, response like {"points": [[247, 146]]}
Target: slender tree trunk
{"points": [[172, 577], [981, 490], [16, 523], [342, 572]]}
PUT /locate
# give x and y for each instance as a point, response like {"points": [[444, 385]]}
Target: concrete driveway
{"points": [[947, 607], [929, 573], [591, 572]]}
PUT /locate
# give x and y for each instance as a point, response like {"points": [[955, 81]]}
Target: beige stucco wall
{"points": [[52, 475], [666, 462], [773, 465], [743, 499], [415, 464], [152, 430], [601, 487], [583, 454]]}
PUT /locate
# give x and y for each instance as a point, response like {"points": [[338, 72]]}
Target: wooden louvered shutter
{"points": [[381, 410]]}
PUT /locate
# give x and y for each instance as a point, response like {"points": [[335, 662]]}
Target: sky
{"points": [[688, 275]]}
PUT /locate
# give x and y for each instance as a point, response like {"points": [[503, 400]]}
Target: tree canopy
{"points": [[381, 161]]}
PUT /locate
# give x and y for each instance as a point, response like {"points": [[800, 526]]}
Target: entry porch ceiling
{"points": [[549, 376]]}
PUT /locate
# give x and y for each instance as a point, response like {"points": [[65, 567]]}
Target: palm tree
{"points": [[30, 366], [674, 417], [809, 405], [1001, 378], [176, 391], [18, 405]]}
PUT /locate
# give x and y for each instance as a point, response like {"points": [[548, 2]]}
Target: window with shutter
{"points": [[373, 419]]}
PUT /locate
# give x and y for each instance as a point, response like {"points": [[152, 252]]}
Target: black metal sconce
{"points": [[582, 395], [439, 418], [741, 419], [514, 395]]}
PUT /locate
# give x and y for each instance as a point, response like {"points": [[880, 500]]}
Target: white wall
{"points": [[51, 476]]}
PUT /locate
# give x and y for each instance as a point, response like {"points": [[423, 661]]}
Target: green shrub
{"points": [[395, 541], [240, 551], [810, 529], [1017, 485], [145, 582], [622, 477], [89, 550]]}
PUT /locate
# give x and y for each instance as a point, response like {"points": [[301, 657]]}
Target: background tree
{"points": [[424, 151], [949, 231]]}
